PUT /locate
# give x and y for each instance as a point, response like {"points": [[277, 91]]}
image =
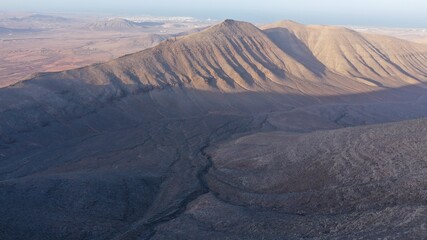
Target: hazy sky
{"points": [[356, 12]]}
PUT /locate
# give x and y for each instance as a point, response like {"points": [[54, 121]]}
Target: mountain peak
{"points": [[234, 27], [229, 21], [289, 22], [284, 24]]}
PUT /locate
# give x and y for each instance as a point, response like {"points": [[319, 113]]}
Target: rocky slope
{"points": [[362, 182], [371, 59], [229, 57], [144, 146]]}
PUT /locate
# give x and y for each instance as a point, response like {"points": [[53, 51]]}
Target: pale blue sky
{"points": [[357, 12]]}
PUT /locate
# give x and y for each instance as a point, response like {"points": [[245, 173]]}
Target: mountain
{"points": [[231, 57], [40, 18], [242, 132], [371, 59], [116, 24]]}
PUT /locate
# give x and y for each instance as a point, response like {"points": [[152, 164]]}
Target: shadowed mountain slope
{"points": [[231, 132], [339, 184], [230, 57]]}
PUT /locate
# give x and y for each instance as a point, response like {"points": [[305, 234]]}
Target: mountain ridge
{"points": [[372, 59], [232, 56], [313, 66], [242, 135]]}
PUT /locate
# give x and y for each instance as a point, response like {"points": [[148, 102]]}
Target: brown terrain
{"points": [[68, 43], [236, 132]]}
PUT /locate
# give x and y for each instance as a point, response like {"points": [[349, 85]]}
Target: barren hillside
{"points": [[371, 59], [229, 133]]}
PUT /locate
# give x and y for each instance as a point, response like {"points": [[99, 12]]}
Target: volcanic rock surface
{"points": [[230, 133]]}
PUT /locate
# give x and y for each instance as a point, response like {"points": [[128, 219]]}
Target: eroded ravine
{"points": [[200, 163], [320, 185]]}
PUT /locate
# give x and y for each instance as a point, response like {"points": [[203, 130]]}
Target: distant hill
{"points": [[120, 24], [40, 18], [113, 24]]}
